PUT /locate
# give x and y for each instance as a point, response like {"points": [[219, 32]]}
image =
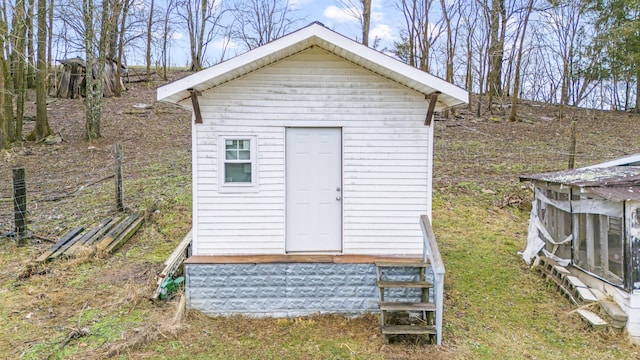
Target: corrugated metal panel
{"points": [[589, 177], [617, 193]]}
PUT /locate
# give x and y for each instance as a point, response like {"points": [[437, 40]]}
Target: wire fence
{"points": [[60, 198], [65, 193]]}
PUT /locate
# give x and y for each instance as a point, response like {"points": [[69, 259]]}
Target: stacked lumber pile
{"points": [[107, 237], [173, 265]]}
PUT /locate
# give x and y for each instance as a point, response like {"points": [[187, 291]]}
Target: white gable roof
{"points": [[315, 35]]}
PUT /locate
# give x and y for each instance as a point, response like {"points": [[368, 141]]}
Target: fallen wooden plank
{"points": [[125, 236], [64, 247], [63, 240], [93, 235], [80, 239], [115, 232], [591, 318]]}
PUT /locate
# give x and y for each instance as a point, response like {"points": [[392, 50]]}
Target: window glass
{"points": [[238, 165], [237, 173]]}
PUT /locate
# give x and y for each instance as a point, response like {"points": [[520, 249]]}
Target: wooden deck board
{"points": [[405, 284], [407, 306], [408, 329], [266, 259]]}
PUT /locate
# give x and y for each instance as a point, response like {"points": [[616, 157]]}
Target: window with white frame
{"points": [[237, 171]]}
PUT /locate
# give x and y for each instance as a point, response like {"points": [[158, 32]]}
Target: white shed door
{"points": [[314, 189]]}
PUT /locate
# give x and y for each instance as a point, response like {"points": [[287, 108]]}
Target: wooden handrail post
{"points": [[431, 251]]}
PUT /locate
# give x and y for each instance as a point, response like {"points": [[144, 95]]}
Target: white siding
{"points": [[385, 147]]}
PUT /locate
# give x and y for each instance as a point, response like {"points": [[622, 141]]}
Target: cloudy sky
{"points": [[333, 16], [384, 25]]}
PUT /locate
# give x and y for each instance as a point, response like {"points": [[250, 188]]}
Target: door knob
{"points": [[338, 198], [338, 188]]}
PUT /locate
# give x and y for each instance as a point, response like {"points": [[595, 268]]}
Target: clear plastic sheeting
{"points": [[595, 206], [535, 244]]}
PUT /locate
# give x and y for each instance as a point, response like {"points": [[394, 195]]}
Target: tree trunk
{"points": [[42, 128], [123, 21], [50, 44], [203, 28], [19, 55], [149, 25], [366, 21], [449, 50], [4, 71], [31, 54], [513, 116], [92, 129], [496, 49]]}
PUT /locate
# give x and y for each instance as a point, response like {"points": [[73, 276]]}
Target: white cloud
{"points": [[177, 36], [296, 4], [224, 43], [383, 32], [377, 16], [339, 15]]}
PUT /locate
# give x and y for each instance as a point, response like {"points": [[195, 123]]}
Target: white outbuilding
{"points": [[312, 160]]}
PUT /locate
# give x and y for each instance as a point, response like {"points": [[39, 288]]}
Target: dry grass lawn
{"points": [[97, 307]]}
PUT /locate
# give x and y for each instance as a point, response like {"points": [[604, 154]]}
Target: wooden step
{"points": [[405, 284], [417, 264], [408, 329], [407, 306]]}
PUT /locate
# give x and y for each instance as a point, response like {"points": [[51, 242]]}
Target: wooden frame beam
{"points": [[433, 99], [196, 105]]}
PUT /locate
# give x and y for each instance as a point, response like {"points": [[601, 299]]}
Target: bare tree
{"points": [[447, 15], [257, 22], [202, 19], [361, 11], [42, 128], [149, 33], [123, 27], [18, 66], [566, 19], [6, 105], [31, 55], [513, 115], [166, 35], [92, 100], [419, 34]]}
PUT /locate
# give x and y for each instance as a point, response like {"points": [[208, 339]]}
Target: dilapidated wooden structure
{"points": [[71, 81], [588, 220]]}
